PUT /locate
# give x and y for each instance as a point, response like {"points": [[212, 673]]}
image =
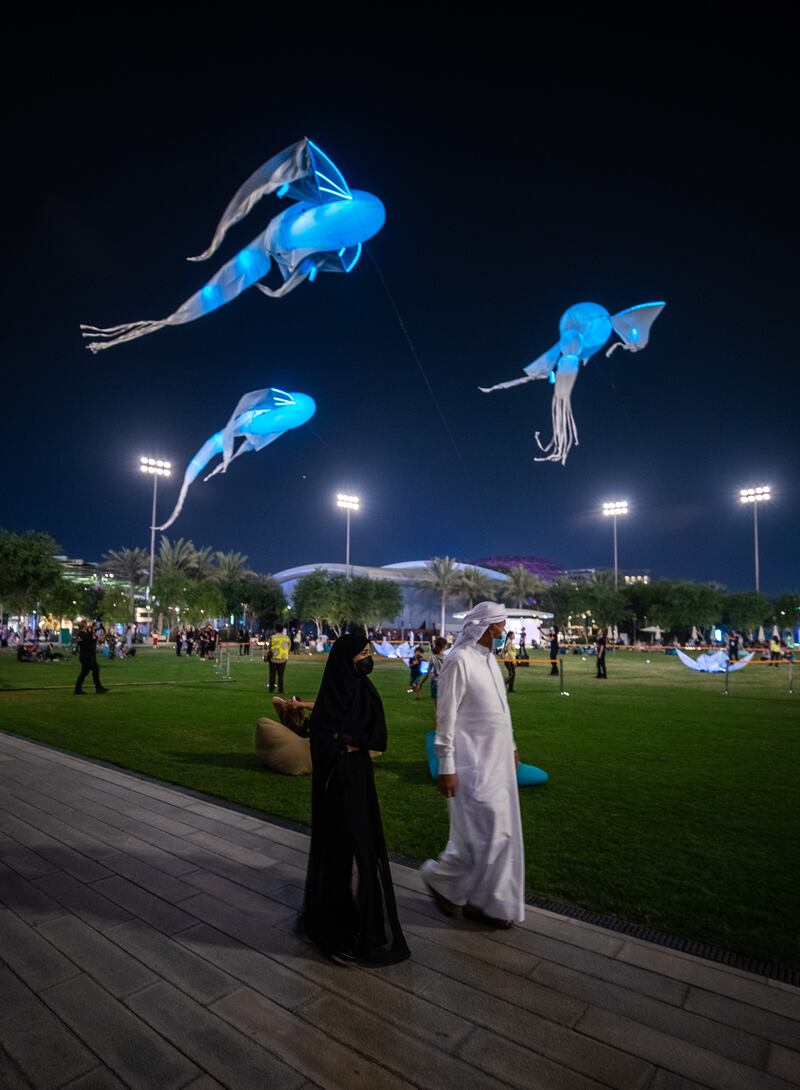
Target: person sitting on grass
{"points": [[292, 713]]}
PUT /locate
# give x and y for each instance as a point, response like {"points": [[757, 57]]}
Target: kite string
{"points": [[413, 351]]}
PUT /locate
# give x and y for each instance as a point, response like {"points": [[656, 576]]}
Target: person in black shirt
{"points": [[554, 653], [601, 653], [87, 654]]}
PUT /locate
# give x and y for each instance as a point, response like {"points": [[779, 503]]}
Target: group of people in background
{"points": [[198, 641]]}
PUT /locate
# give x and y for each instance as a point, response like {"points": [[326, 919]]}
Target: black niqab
{"points": [[348, 706]]}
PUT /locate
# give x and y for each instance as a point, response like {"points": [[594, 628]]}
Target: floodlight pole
{"points": [[152, 545], [347, 550], [755, 539], [616, 565]]}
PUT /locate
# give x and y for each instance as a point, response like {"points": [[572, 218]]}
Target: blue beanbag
{"points": [[527, 775]]}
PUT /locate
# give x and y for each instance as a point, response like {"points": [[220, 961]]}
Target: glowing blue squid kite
{"points": [[261, 417], [323, 232], [585, 328]]}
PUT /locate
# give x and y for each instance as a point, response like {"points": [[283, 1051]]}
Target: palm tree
{"points": [[178, 556], [232, 567], [522, 584], [133, 566], [204, 562], [444, 576], [475, 584]]}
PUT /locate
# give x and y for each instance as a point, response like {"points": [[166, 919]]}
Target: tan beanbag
{"points": [[281, 749]]}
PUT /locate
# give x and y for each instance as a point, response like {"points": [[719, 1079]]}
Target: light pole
{"points": [[157, 468], [349, 503], [614, 510], [755, 496]]}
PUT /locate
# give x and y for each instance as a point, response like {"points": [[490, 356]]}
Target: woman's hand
{"points": [[352, 749]]}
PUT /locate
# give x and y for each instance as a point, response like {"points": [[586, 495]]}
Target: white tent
{"points": [[761, 636], [695, 637], [776, 632]]}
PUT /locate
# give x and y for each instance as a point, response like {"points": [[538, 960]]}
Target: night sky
{"points": [[517, 180]]}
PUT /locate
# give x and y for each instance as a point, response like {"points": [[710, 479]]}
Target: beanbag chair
{"points": [[281, 749], [527, 775]]}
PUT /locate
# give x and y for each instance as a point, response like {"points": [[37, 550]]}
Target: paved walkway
{"points": [[147, 941]]}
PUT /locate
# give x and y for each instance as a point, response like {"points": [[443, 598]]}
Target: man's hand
{"points": [[516, 760], [447, 784]]}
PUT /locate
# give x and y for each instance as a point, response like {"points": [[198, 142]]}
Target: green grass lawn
{"points": [[668, 804]]}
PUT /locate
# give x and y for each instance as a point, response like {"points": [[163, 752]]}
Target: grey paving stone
{"points": [[55, 827], [753, 990], [145, 906], [741, 1016], [174, 962], [248, 929], [10, 1076], [304, 1047], [667, 1080], [259, 860], [221, 813], [26, 899], [785, 1063], [137, 1055], [586, 961], [149, 878], [97, 956], [159, 821], [263, 974], [99, 1079], [727, 1041], [205, 1082], [22, 859], [564, 1046], [289, 895], [547, 1001], [238, 896], [221, 1050], [375, 1036], [44, 1050], [674, 1055], [84, 901], [33, 838], [454, 935], [31, 957], [111, 835], [518, 1067]]}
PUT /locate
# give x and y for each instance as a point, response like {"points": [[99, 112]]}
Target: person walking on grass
{"points": [[482, 869], [87, 655]]}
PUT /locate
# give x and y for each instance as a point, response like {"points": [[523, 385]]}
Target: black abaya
{"points": [[350, 906]]}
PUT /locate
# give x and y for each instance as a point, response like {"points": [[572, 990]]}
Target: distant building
{"points": [[421, 605]]}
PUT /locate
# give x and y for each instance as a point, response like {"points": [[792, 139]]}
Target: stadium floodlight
{"points": [[156, 467], [613, 510], [348, 503], [755, 496]]}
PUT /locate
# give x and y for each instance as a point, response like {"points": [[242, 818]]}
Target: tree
{"points": [[204, 562], [178, 556], [133, 565], [28, 569], [689, 604], [476, 585], [340, 602], [264, 600], [602, 600], [310, 597], [560, 598], [444, 576], [386, 602], [522, 585], [232, 567], [786, 609], [746, 611]]}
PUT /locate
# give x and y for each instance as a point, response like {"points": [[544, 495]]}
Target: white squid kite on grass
{"points": [[716, 662], [323, 232], [585, 328], [261, 417]]}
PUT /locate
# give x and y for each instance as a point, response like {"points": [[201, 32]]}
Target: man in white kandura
{"points": [[482, 869]]}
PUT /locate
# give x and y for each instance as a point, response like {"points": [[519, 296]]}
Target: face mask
{"points": [[364, 666]]}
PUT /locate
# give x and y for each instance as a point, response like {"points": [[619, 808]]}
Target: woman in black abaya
{"points": [[350, 911]]}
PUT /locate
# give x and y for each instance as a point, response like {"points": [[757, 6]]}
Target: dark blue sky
{"points": [[515, 185]]}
